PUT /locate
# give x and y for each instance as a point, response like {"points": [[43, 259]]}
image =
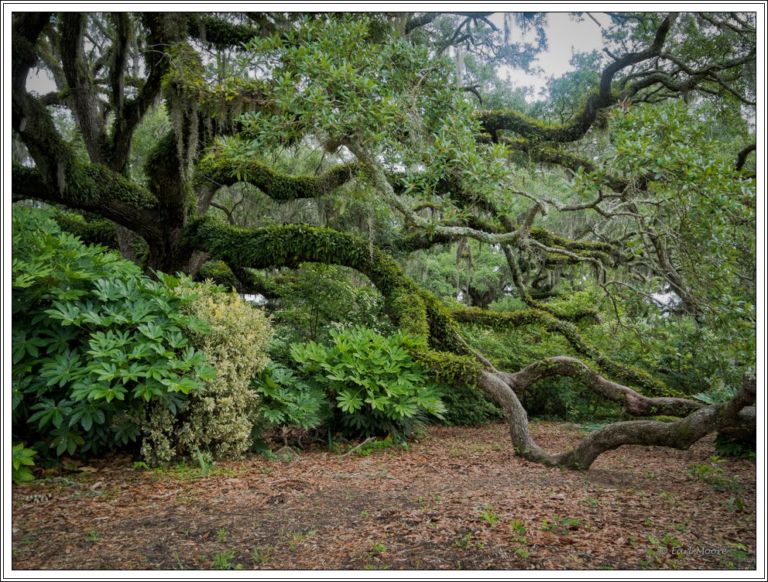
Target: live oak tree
{"points": [[406, 113]]}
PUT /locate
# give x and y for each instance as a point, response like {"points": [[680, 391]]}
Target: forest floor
{"points": [[457, 499]]}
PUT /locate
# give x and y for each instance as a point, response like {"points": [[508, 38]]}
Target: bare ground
{"points": [[458, 499]]}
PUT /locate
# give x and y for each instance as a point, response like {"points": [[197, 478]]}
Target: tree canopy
{"points": [[242, 145]]}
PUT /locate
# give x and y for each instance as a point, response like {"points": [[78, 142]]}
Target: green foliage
{"points": [[94, 342], [701, 205], [219, 273], [375, 384], [153, 127], [466, 406], [561, 525], [23, 460], [354, 84], [372, 445], [224, 560], [97, 231], [479, 271], [287, 400], [317, 297], [729, 446], [714, 475], [693, 357], [562, 398], [219, 418], [566, 399], [205, 460], [489, 516]]}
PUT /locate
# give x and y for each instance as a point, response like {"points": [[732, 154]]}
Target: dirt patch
{"points": [[458, 499]]}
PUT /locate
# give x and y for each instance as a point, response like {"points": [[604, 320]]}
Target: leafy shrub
{"points": [[714, 475], [286, 400], [218, 418], [375, 384], [730, 445], [22, 461], [316, 298], [94, 341]]}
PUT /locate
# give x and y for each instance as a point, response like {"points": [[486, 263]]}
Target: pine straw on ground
{"points": [[458, 499]]}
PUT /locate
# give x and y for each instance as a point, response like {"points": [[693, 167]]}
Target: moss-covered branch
{"points": [[551, 239], [603, 96], [98, 231], [224, 171], [545, 153], [504, 321], [633, 403], [95, 189], [412, 309]]}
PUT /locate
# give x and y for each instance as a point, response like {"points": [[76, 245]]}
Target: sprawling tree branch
{"points": [[680, 434], [96, 189], [604, 96], [224, 171], [741, 159], [634, 403]]}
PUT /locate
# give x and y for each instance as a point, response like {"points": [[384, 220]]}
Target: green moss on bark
{"points": [[220, 273], [507, 320], [225, 171], [97, 231]]}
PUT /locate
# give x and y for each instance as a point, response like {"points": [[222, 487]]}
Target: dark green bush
{"points": [[315, 298], [728, 445], [287, 400], [94, 341], [375, 384]]}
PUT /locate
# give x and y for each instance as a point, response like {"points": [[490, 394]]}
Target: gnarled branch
{"points": [[223, 171]]}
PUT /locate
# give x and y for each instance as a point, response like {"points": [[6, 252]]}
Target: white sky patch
{"points": [[565, 36]]}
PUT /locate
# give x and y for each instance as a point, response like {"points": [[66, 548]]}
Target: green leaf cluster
{"points": [[94, 340], [23, 461], [287, 400], [376, 385]]}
